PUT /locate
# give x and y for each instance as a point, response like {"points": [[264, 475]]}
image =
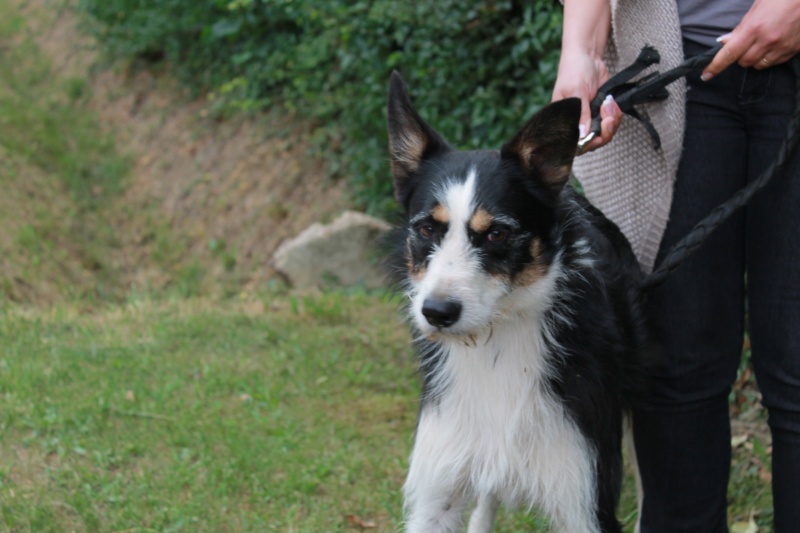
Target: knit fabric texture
{"points": [[628, 179]]}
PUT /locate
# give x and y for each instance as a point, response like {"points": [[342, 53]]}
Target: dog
{"points": [[529, 325]]}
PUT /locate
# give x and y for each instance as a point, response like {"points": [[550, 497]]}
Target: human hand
{"points": [[580, 75], [769, 34]]}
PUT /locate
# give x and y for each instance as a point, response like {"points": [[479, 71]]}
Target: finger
{"points": [[764, 57], [755, 56], [722, 60], [758, 64], [596, 143], [608, 127], [734, 47], [610, 117]]}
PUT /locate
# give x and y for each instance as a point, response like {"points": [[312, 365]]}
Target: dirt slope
{"points": [[208, 196]]}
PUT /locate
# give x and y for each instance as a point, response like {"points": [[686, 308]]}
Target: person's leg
{"points": [[682, 432], [773, 267]]}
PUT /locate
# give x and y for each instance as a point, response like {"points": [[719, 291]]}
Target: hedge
{"points": [[476, 70]]}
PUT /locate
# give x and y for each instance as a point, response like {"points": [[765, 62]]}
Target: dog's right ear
{"points": [[411, 139]]}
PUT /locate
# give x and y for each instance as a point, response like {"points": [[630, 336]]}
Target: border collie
{"points": [[526, 305]]}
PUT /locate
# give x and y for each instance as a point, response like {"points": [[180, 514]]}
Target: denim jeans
{"points": [[735, 125]]}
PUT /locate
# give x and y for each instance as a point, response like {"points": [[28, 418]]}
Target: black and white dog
{"points": [[526, 303]]}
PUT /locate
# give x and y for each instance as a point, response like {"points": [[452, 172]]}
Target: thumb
{"points": [[586, 117]]}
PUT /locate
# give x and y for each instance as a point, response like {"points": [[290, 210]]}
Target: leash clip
{"points": [[583, 144], [594, 131]]}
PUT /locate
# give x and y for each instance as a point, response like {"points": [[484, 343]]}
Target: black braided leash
{"points": [[652, 88], [703, 229]]}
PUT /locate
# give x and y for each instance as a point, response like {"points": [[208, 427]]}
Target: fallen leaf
{"points": [[357, 521], [130, 396], [738, 440], [745, 527]]}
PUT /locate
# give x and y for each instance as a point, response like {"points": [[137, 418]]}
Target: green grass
{"points": [[280, 413], [189, 416], [283, 412]]}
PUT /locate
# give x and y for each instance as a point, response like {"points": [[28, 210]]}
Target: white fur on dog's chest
{"points": [[495, 428]]}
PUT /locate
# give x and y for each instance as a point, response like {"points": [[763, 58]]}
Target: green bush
{"points": [[476, 70]]}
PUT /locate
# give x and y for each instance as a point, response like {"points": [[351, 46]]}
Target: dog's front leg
{"points": [[435, 492], [430, 512], [483, 516]]}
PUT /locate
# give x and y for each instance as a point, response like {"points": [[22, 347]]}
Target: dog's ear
{"points": [[546, 145], [411, 140]]}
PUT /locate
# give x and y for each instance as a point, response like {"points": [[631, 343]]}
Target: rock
{"points": [[341, 253]]}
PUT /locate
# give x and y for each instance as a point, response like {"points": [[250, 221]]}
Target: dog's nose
{"points": [[441, 313]]}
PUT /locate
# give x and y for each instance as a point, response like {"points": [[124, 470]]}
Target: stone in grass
{"points": [[342, 253]]}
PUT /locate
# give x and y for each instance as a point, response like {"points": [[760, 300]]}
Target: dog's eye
{"points": [[497, 235], [425, 231]]}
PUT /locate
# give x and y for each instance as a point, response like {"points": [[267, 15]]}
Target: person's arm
{"points": [[769, 34], [581, 70]]}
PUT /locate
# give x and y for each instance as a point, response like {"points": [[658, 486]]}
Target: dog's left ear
{"points": [[546, 145]]}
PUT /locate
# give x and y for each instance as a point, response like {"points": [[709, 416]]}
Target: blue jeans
{"points": [[735, 125]]}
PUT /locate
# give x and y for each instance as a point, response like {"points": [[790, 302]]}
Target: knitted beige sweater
{"points": [[627, 179]]}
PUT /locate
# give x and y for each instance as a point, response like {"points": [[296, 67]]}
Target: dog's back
{"points": [[526, 305]]}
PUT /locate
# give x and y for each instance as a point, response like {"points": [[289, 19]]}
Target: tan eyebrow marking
{"points": [[481, 220], [440, 214]]}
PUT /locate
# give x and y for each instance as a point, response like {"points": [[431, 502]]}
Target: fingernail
{"points": [[723, 38], [705, 76], [582, 131], [607, 102]]}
